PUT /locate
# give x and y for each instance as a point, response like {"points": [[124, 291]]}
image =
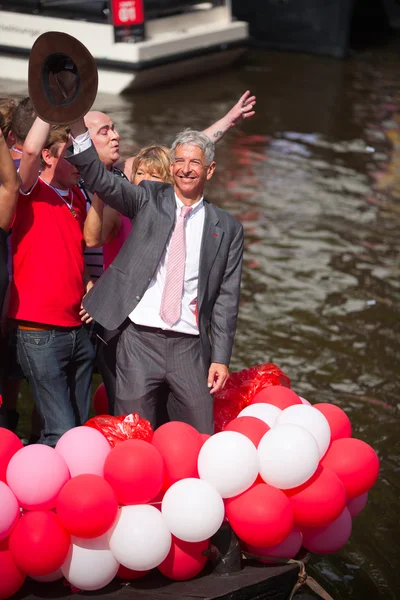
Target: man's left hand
{"points": [[85, 317], [243, 109], [217, 377]]}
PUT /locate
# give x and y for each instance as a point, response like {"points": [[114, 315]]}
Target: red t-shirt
{"points": [[47, 249]]}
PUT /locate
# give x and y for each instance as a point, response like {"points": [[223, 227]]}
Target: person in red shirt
{"points": [[47, 246]]}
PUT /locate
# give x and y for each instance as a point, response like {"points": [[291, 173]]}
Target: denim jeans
{"points": [[58, 365]]}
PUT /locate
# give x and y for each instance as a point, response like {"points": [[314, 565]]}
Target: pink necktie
{"points": [[171, 301]]}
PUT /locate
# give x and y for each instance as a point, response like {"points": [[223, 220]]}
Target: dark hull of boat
{"points": [[303, 25], [327, 28], [254, 581]]}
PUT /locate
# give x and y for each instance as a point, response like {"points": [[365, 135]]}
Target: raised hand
{"points": [[243, 109]]}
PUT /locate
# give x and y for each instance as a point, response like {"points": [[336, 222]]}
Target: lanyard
{"points": [[71, 209]]}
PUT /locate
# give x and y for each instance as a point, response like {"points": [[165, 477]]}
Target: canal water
{"points": [[315, 180]]}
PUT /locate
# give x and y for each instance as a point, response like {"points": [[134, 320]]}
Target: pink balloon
{"points": [[84, 450], [328, 539], [289, 548], [36, 474], [9, 511], [356, 505]]}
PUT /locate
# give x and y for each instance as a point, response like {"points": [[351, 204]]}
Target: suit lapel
{"points": [[210, 243], [166, 224]]}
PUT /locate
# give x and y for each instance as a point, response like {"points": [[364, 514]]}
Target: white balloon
{"points": [[90, 564], [193, 510], [55, 576], [265, 412], [311, 419], [229, 461], [289, 456], [140, 538]]}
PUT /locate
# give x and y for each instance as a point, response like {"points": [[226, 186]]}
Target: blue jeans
{"points": [[58, 365]]}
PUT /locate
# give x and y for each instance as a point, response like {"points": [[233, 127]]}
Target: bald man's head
{"points": [[104, 137]]}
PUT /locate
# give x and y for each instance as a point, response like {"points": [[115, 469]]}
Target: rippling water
{"points": [[315, 179]]}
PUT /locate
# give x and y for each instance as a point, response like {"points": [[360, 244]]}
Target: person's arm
{"points": [[224, 315], [243, 109], [31, 152], [101, 225], [125, 197], [9, 186]]}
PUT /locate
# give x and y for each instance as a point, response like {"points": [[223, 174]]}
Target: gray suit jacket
{"points": [[152, 207]]}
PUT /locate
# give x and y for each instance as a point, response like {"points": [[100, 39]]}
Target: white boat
{"points": [[180, 38]]}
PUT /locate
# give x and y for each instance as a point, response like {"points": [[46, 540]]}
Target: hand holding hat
{"points": [[62, 78]]}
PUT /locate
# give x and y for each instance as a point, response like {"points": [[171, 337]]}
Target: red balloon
{"points": [[100, 401], [129, 574], [319, 501], [338, 421], [135, 470], [9, 445], [39, 543], [251, 427], [278, 395], [355, 463], [261, 516], [179, 444], [11, 578], [87, 506], [204, 436], [184, 560]]}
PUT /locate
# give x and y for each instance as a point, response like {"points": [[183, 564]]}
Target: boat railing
{"points": [[100, 10]]}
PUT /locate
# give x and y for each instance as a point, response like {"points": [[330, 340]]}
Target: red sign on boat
{"points": [[128, 20]]}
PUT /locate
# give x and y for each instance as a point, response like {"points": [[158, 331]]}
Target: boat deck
{"points": [[254, 582]]}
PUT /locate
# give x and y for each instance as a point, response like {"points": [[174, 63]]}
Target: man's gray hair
{"points": [[195, 138]]}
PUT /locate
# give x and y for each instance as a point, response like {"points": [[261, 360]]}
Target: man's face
{"points": [[65, 174], [104, 137], [190, 171]]}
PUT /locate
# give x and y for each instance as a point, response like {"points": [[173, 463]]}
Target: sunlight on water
{"points": [[315, 181]]}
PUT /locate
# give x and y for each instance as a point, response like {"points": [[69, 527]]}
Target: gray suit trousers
{"points": [[147, 359]]}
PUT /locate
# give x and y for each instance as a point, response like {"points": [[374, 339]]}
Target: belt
{"points": [[32, 326], [166, 332]]}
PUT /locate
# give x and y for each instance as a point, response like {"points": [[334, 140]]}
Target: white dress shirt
{"points": [[147, 311], [82, 142]]}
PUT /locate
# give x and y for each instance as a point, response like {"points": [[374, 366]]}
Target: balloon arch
{"points": [[115, 499]]}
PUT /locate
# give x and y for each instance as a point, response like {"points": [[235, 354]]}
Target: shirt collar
{"points": [[195, 207]]}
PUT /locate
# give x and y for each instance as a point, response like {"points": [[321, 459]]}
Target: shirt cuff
{"points": [[82, 142]]}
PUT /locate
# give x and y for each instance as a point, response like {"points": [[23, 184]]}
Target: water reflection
{"points": [[315, 181]]}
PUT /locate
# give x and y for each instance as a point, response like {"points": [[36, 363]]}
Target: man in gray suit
{"points": [[174, 286]]}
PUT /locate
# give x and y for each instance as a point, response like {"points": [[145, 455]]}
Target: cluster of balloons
{"points": [[285, 474]]}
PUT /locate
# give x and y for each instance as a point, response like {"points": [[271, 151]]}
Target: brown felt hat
{"points": [[62, 78]]}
